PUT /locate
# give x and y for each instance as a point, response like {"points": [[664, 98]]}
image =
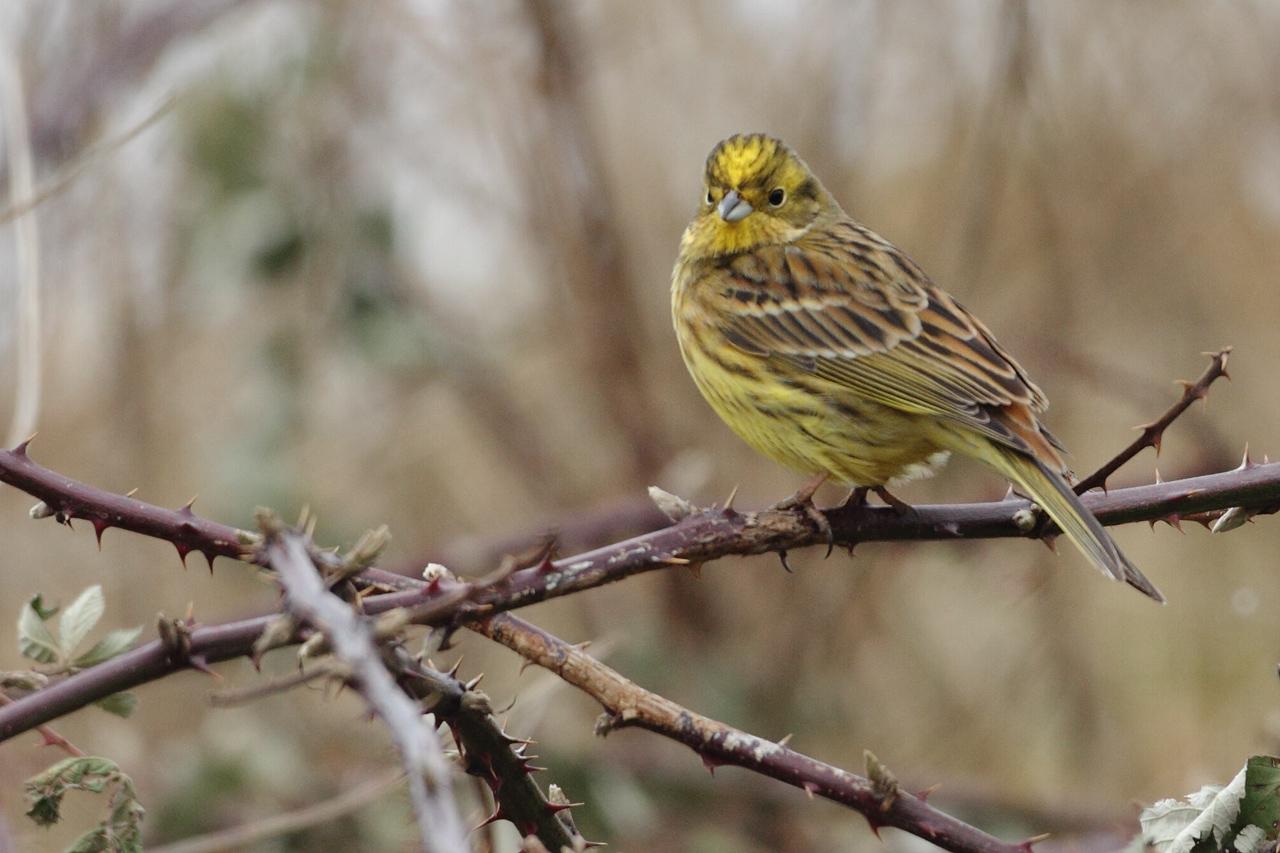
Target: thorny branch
{"points": [[880, 800], [352, 641], [699, 536], [696, 537], [1153, 432]]}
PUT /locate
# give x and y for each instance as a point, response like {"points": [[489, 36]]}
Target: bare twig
{"points": [[240, 837], [1154, 431], [628, 704], [352, 641]]}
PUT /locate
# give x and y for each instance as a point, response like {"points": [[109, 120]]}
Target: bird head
{"points": [[756, 192]]}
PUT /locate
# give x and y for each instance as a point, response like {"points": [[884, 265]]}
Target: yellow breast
{"points": [[797, 419]]}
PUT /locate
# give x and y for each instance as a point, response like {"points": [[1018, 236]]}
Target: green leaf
{"points": [[120, 704], [93, 841], [1261, 806], [34, 639], [79, 617], [47, 788], [1171, 826], [114, 643], [45, 613], [120, 830]]}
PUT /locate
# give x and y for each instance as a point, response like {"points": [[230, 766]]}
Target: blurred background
{"points": [[408, 262]]}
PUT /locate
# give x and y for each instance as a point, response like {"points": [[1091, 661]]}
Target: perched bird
{"points": [[827, 349]]}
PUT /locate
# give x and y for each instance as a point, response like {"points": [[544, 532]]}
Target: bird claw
{"points": [[803, 501]]}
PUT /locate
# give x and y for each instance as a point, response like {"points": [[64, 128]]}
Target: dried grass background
{"points": [[408, 262]]}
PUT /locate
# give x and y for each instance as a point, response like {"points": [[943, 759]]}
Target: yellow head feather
{"points": [[783, 198]]}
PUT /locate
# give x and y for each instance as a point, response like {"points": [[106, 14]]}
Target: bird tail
{"points": [[1052, 494]]}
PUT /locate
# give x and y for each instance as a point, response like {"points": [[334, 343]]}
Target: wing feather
{"points": [[848, 307]]}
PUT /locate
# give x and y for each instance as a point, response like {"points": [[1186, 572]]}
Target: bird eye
{"points": [[777, 196], [710, 200]]}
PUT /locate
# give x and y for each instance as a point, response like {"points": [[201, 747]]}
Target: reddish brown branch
{"points": [[1154, 431], [628, 704], [701, 537]]}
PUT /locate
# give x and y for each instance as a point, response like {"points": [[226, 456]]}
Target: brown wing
{"points": [[847, 306]]}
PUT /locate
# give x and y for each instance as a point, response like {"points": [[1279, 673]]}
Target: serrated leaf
{"points": [[34, 639], [79, 617], [120, 831], [1261, 806], [93, 841], [114, 643], [1175, 827], [120, 704], [1249, 839]]}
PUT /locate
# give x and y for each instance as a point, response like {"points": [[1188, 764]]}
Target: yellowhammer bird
{"points": [[827, 349]]}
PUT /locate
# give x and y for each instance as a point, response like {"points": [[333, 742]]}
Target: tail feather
{"points": [[1052, 494]]}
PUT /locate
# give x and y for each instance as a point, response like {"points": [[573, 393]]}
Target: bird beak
{"points": [[733, 207]]}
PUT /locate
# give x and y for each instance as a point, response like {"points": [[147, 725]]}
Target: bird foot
{"points": [[900, 506], [803, 501]]}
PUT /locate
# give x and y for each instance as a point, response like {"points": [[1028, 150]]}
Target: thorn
{"points": [[1050, 542], [1035, 839], [810, 788], [471, 685], [21, 449], [710, 763], [786, 739], [556, 808], [924, 795], [1159, 479], [1175, 521], [201, 664], [782, 558], [99, 525], [532, 768], [728, 502], [183, 550], [131, 492], [1156, 439], [209, 555], [185, 509], [453, 670], [1245, 462], [675, 561], [583, 646]]}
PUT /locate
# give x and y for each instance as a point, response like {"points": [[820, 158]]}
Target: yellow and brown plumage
{"points": [[827, 349]]}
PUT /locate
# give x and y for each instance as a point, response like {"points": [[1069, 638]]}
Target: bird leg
{"points": [[803, 501], [900, 506], [856, 498]]}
